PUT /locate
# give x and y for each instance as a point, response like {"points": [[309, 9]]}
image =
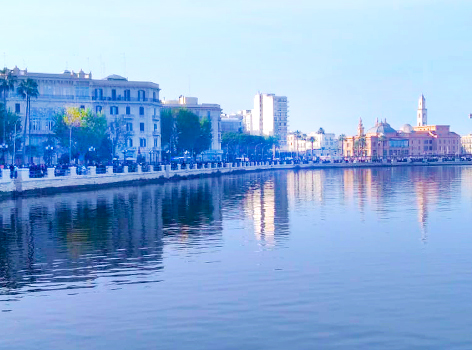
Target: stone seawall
{"points": [[23, 184]]}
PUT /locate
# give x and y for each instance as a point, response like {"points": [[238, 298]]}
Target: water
{"points": [[326, 259]]}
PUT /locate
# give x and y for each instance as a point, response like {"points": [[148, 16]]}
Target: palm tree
{"points": [[7, 83], [297, 135], [312, 141], [382, 139], [27, 88], [361, 145], [341, 139], [320, 131]]}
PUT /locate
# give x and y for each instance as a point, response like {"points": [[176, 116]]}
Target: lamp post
{"points": [[255, 150], [124, 155], [4, 148], [150, 156], [49, 149], [168, 156]]}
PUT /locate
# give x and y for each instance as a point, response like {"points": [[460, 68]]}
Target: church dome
{"points": [[407, 129], [382, 128]]}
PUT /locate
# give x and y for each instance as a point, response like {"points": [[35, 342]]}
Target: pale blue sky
{"points": [[335, 60]]}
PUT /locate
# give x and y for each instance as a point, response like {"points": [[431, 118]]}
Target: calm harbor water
{"points": [[309, 259]]}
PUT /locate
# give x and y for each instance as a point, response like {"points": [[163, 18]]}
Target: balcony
{"points": [[156, 133], [155, 117], [127, 116]]}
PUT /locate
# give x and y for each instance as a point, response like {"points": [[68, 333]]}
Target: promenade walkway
{"points": [[27, 182]]}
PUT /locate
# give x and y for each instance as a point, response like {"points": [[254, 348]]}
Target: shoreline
{"points": [[24, 186]]}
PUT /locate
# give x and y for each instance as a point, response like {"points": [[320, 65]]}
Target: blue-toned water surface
{"points": [[308, 259]]}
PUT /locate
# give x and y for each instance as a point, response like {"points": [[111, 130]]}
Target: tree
{"points": [[320, 131], [203, 141], [10, 124], [168, 133], [27, 89], [341, 139], [182, 130], [297, 135], [7, 83], [118, 133], [382, 140], [81, 129], [312, 141]]}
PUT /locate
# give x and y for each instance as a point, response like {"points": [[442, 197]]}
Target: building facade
{"points": [[204, 110], [384, 141], [466, 143], [231, 123], [270, 117], [321, 143], [115, 96]]}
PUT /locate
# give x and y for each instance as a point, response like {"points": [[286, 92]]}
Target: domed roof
{"points": [[382, 128], [407, 129], [115, 77]]}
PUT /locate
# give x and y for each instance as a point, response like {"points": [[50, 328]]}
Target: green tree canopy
{"points": [[88, 130], [182, 130], [8, 121]]}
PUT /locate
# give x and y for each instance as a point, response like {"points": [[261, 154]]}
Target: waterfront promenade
{"points": [[25, 183]]}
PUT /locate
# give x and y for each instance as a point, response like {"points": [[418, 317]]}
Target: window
{"points": [[128, 110], [141, 110], [113, 110], [155, 127], [141, 127], [208, 114], [98, 109], [155, 143], [99, 94], [35, 125], [82, 107], [113, 95], [130, 142], [17, 108], [129, 126], [142, 142], [127, 95], [141, 95]]}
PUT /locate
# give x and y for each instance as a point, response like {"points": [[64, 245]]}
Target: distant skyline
{"points": [[336, 61]]}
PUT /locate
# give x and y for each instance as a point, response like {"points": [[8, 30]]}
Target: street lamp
{"points": [[124, 155], [168, 156], [255, 150], [4, 148], [151, 152], [49, 149]]}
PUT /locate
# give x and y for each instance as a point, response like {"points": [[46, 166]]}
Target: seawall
{"points": [[23, 184]]}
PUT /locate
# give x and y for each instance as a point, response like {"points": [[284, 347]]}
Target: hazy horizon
{"points": [[336, 61]]}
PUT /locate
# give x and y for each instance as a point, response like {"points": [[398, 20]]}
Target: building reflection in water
{"points": [[71, 240], [266, 204]]}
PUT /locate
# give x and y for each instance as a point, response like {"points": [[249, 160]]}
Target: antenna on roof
{"points": [[124, 64]]}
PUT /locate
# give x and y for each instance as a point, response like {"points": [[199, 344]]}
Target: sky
{"points": [[335, 60]]}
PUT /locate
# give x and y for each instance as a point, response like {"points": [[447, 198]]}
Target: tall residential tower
{"points": [[269, 116]]}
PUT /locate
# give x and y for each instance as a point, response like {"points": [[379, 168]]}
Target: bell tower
{"points": [[422, 114], [360, 128]]}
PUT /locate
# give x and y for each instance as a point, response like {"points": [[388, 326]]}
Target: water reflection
{"points": [[117, 236]]}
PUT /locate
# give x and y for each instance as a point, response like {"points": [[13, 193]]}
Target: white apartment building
{"points": [[466, 142], [137, 101], [269, 117], [231, 123], [210, 111], [324, 144]]}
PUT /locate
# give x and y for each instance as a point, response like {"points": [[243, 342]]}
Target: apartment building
{"points": [[270, 117], [136, 101], [207, 110]]}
